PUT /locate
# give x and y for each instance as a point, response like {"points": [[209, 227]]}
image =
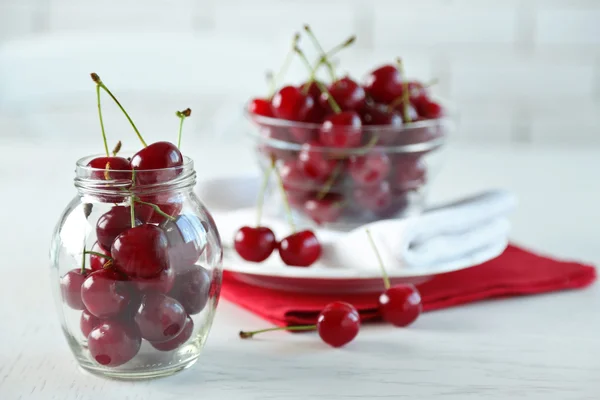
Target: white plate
{"points": [[273, 274]]}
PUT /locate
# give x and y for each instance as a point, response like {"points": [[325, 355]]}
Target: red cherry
{"points": [[374, 198], [325, 210], [379, 114], [192, 288], [113, 343], [105, 293], [157, 163], [317, 112], [370, 168], [159, 317], [255, 244], [341, 130], [88, 322], [141, 251], [409, 172], [349, 95], [400, 305], [338, 323], [162, 283], [70, 286], [384, 84], [111, 224], [119, 164], [291, 104], [178, 340], [294, 181], [429, 109], [186, 236], [411, 114], [300, 249], [314, 163], [97, 262], [260, 107], [168, 203]]}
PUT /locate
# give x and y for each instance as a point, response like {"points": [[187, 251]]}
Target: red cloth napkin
{"points": [[515, 272]]}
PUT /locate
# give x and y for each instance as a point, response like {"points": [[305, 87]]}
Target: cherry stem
{"points": [[100, 84], [117, 149], [106, 171], [83, 259], [182, 115], [286, 202], [155, 208], [285, 66], [334, 51], [271, 82], [319, 48], [405, 94], [249, 334], [386, 279], [101, 120], [334, 106], [330, 180], [261, 193], [95, 253]]}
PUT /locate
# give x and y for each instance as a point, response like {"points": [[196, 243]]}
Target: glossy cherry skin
{"points": [[326, 210], [88, 322], [114, 342], [70, 286], [111, 224], [178, 340], [380, 114], [300, 249], [159, 317], [141, 252], [105, 293], [162, 283], [254, 244], [162, 156], [348, 95], [186, 237], [429, 109], [370, 168], [260, 107], [314, 162], [115, 164], [341, 130], [192, 288], [384, 84], [374, 198], [291, 104], [411, 113], [338, 323], [317, 112], [97, 262], [400, 305]]}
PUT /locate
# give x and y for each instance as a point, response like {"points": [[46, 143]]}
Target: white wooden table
{"points": [[543, 347]]}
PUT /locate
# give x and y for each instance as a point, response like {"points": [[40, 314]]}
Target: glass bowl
{"points": [[364, 174]]}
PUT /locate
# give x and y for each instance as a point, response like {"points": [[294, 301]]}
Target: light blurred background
{"points": [[517, 71]]}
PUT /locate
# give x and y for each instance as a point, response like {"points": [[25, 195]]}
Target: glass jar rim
{"points": [[82, 164]]}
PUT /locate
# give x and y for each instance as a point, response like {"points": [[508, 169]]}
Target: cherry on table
{"points": [[88, 322], [70, 286], [255, 244], [400, 304], [141, 251], [192, 288], [178, 340], [341, 130], [291, 104], [114, 343], [370, 168], [111, 224], [159, 317], [348, 94], [261, 107], [300, 249], [156, 163], [105, 293]]}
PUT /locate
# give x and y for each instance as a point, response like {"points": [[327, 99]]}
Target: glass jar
{"points": [[136, 271]]}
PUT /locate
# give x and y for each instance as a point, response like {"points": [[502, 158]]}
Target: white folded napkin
{"points": [[465, 231]]}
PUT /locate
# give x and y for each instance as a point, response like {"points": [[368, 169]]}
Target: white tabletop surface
{"points": [[543, 347]]}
